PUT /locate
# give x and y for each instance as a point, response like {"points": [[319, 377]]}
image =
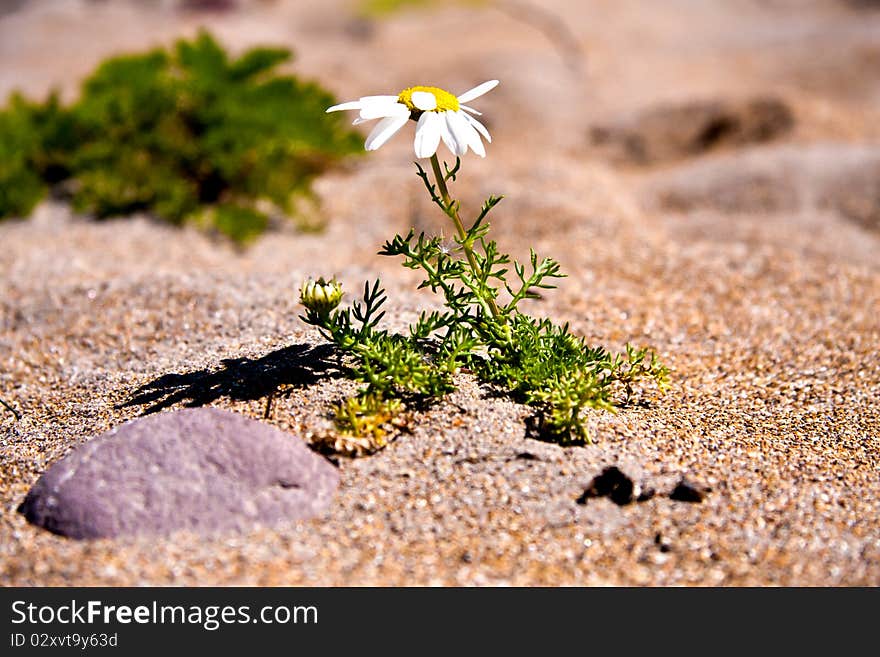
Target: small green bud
{"points": [[320, 296]]}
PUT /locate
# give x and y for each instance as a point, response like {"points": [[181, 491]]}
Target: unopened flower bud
{"points": [[320, 296]]}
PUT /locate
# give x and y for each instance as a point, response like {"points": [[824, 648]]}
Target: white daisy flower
{"points": [[438, 113]]}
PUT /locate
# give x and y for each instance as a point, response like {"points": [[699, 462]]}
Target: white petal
{"points": [[477, 91], [428, 134], [476, 144], [479, 126], [448, 137], [470, 135], [352, 104], [359, 120], [377, 99], [470, 109], [424, 100], [378, 107], [460, 130], [385, 130]]}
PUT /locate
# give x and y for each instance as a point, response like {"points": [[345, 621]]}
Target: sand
{"points": [[769, 317]]}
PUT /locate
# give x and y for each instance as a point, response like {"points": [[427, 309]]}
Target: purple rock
{"points": [[200, 469]]}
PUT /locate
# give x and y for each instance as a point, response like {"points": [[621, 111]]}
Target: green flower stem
{"points": [[459, 226]]}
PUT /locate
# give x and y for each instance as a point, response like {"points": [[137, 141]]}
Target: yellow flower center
{"points": [[445, 100]]}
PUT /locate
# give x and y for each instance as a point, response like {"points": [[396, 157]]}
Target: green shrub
{"points": [[31, 138], [382, 8], [182, 133]]}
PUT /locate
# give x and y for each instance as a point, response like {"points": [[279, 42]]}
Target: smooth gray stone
{"points": [[201, 469]]}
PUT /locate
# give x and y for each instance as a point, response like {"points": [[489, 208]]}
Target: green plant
{"points": [[185, 134], [378, 8], [481, 326], [34, 138], [381, 8]]}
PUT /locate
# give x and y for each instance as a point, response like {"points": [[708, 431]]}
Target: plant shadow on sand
{"points": [[240, 379]]}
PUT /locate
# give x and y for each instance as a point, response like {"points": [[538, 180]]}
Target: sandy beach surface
{"points": [[747, 254]]}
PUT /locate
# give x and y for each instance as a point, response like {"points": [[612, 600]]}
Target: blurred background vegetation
{"points": [[186, 134], [701, 106], [379, 8]]}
